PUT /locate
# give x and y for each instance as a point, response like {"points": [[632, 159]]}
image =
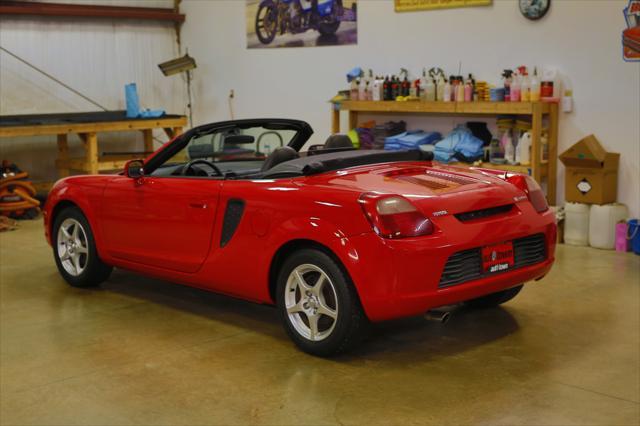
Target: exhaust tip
{"points": [[438, 316]]}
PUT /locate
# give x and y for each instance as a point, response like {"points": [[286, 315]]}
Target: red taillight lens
{"points": [[393, 216], [532, 189]]}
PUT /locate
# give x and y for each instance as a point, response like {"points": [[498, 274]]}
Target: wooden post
{"points": [[147, 135], [335, 119], [63, 155], [353, 119], [552, 166], [536, 130], [91, 158]]}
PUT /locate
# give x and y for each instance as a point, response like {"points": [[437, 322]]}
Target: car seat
{"points": [[338, 141], [279, 155]]}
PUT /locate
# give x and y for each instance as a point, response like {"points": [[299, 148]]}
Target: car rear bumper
{"points": [[398, 278]]}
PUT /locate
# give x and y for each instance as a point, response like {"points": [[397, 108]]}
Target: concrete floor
{"points": [[141, 351]]}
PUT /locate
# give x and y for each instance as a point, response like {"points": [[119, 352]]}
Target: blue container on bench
{"points": [[633, 234]]}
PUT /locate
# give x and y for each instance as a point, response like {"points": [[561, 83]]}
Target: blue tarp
{"points": [[410, 140], [460, 141]]}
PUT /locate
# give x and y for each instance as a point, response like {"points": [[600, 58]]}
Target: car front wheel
{"points": [[74, 250], [318, 304]]}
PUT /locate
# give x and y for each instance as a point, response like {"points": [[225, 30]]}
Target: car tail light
{"points": [[393, 216], [532, 189]]}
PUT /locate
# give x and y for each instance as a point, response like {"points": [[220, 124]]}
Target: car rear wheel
{"points": [[318, 304], [494, 299], [75, 251]]}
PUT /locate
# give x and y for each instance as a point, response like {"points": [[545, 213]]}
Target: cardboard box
{"points": [[591, 174]]}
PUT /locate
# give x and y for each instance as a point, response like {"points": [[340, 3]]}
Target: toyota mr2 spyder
{"points": [[334, 237]]}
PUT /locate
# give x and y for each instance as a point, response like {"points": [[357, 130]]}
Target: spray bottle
{"points": [[430, 90], [516, 88], [440, 88], [507, 75]]}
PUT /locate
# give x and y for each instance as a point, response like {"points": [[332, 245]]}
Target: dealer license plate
{"points": [[497, 257]]}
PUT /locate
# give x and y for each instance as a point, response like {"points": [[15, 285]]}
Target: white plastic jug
{"points": [[602, 224], [576, 224]]}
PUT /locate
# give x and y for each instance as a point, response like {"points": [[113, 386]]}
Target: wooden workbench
{"points": [[87, 125], [539, 169]]}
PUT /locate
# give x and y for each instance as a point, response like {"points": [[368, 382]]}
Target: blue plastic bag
{"points": [[132, 100], [133, 104]]}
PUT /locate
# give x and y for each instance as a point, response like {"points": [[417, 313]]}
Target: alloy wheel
{"points": [[311, 302], [73, 250]]}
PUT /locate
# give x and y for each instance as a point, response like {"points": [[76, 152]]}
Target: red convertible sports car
{"points": [[336, 238]]}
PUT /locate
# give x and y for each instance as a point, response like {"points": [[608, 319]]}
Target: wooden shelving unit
{"points": [[87, 126], [536, 111]]}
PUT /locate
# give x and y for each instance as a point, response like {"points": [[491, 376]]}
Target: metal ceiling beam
{"points": [[12, 7]]}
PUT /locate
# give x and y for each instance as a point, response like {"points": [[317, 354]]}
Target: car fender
{"points": [[319, 231], [87, 195]]}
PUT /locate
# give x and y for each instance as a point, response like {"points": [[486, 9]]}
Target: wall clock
{"points": [[534, 9]]}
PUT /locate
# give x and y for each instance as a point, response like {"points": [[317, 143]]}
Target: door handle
{"points": [[197, 205]]}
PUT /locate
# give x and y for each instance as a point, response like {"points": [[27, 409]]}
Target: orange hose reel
{"points": [[16, 195]]}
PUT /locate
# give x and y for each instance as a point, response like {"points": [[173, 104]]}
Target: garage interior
{"points": [[139, 350]]}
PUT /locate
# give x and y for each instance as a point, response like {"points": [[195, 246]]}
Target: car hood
{"points": [[433, 187]]}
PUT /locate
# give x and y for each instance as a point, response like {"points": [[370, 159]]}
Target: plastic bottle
{"points": [[430, 89], [523, 154], [507, 75], [423, 85], [376, 90], [362, 90], [354, 93], [516, 89], [525, 92], [509, 149], [468, 91], [460, 91], [395, 87], [535, 86], [386, 89], [446, 92], [440, 88]]}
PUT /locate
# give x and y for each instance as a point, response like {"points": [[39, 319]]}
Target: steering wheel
{"points": [[189, 166]]}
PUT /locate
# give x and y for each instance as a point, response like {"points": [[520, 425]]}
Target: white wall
{"points": [[581, 39], [97, 58]]}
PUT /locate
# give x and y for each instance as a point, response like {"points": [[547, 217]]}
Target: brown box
{"points": [[591, 173]]}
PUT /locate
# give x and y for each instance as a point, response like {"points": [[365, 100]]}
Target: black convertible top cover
{"points": [[320, 163]]}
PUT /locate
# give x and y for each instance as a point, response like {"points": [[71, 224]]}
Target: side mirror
{"points": [[134, 169]]}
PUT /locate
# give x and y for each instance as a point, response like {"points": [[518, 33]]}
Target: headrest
{"points": [[338, 141]]}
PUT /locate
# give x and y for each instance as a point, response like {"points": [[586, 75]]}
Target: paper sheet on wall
{"points": [[413, 5]]}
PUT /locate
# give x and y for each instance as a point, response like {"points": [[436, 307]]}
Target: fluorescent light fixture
{"points": [[176, 66]]}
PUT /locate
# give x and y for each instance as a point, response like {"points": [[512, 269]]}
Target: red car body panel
{"points": [[170, 228]]}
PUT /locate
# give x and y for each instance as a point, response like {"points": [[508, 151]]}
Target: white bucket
{"points": [[602, 224], [576, 224]]}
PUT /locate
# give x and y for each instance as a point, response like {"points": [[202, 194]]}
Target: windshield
{"points": [[252, 144]]}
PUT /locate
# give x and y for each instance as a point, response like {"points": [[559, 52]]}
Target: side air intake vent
{"points": [[232, 217]]}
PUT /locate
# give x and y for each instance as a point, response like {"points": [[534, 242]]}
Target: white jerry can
{"points": [[576, 224], [602, 224]]}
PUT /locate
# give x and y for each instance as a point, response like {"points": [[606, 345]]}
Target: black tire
{"points": [[494, 299], [351, 322], [328, 28], [272, 13], [95, 271]]}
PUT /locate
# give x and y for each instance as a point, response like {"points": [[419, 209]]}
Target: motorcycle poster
{"points": [[301, 23], [631, 35]]}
